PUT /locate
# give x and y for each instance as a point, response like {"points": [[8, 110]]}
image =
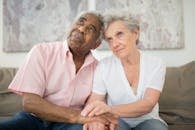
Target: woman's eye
{"points": [[109, 40], [119, 34]]}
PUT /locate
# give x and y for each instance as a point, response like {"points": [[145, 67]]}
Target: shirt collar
{"points": [[88, 60]]}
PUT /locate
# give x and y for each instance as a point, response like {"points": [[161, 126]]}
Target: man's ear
{"points": [[98, 42]]}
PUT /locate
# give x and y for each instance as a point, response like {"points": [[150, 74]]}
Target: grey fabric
{"points": [[177, 101], [10, 103], [182, 127], [6, 76]]}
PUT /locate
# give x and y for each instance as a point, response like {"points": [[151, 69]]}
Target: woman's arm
{"points": [[138, 108]]}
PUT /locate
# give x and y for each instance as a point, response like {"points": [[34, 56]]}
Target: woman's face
{"points": [[121, 40]]}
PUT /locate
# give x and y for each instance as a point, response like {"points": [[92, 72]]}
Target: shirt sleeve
{"points": [[157, 78], [98, 82], [30, 76]]}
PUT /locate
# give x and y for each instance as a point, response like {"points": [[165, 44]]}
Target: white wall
{"points": [[171, 57]]}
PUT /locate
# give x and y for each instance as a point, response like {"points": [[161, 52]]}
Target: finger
{"points": [[85, 127], [111, 118], [94, 112], [101, 120], [106, 127], [99, 126], [112, 126], [87, 110], [100, 112]]}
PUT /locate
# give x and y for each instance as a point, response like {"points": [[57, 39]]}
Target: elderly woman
{"points": [[130, 82]]}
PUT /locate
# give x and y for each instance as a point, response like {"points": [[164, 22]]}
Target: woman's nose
{"points": [[115, 43]]}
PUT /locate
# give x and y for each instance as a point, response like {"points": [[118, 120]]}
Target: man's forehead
{"points": [[89, 16], [92, 18]]}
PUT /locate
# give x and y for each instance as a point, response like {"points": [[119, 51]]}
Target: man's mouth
{"points": [[76, 36]]}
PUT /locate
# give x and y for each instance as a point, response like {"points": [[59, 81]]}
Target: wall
{"points": [[171, 57]]}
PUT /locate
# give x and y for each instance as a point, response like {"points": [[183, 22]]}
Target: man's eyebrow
{"points": [[83, 18], [94, 27]]}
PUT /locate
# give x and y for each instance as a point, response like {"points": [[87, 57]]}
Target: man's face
{"points": [[84, 34]]}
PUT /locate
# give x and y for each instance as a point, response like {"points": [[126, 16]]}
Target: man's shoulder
{"points": [[49, 46], [46, 45]]}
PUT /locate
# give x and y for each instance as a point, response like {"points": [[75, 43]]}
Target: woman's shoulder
{"points": [[152, 61]]}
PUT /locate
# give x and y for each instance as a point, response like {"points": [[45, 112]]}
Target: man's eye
{"points": [[91, 29], [80, 22]]}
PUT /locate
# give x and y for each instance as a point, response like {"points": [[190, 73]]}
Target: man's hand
{"points": [[96, 108], [94, 126], [106, 119], [98, 126]]}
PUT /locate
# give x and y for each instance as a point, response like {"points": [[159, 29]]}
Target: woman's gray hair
{"points": [[130, 20]]}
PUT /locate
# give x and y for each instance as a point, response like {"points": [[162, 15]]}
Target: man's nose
{"points": [[82, 29]]}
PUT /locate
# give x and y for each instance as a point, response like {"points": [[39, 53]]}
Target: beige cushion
{"points": [[177, 101], [6, 76], [10, 103]]}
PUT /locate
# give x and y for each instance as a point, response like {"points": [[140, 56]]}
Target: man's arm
{"points": [[35, 104]]}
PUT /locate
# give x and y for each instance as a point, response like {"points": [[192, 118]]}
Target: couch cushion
{"points": [[177, 101], [10, 104], [182, 127], [6, 76]]}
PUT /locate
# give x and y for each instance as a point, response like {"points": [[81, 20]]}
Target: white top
{"points": [[110, 79]]}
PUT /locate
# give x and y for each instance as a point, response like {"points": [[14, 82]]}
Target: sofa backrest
{"points": [[177, 101], [10, 103]]}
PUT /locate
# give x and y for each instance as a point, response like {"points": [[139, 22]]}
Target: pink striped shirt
{"points": [[49, 71]]}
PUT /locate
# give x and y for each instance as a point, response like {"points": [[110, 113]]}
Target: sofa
{"points": [[177, 101]]}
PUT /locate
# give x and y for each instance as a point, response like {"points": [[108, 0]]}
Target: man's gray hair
{"points": [[130, 20]]}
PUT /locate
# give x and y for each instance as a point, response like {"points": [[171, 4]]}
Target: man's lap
{"points": [[24, 121]]}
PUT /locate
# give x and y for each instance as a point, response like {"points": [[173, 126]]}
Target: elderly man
{"points": [[56, 79]]}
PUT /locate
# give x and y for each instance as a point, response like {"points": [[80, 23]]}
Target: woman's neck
{"points": [[132, 59]]}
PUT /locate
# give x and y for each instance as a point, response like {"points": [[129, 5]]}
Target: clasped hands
{"points": [[99, 108]]}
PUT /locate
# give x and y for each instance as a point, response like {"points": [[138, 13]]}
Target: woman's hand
{"points": [[96, 108]]}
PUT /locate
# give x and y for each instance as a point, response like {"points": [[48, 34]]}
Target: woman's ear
{"points": [[137, 33]]}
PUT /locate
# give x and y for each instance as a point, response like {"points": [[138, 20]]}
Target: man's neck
{"points": [[78, 61]]}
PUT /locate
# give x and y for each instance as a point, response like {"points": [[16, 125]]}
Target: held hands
{"points": [[105, 121], [96, 108], [98, 126], [99, 109]]}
